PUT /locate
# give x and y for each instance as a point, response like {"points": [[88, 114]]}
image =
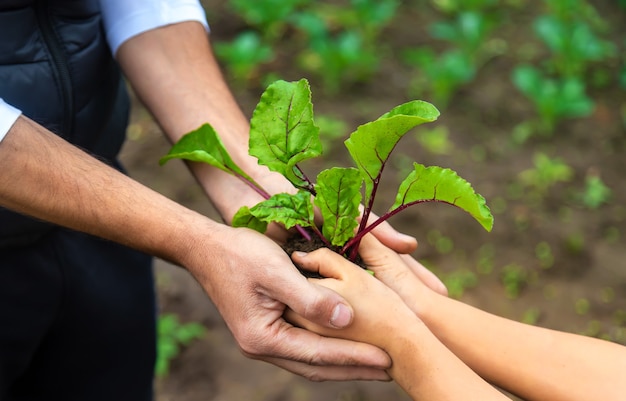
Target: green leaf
{"points": [[287, 209], [434, 183], [244, 218], [204, 145], [338, 198], [282, 130], [371, 144]]}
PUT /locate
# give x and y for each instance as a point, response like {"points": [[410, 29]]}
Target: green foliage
{"points": [[269, 16], [443, 244], [543, 252], [439, 76], [282, 130], [459, 281], [283, 134], [572, 43], [531, 316], [468, 32], [596, 193], [443, 185], [554, 99], [545, 173], [338, 198], [331, 129], [435, 140], [455, 6], [171, 336], [341, 42], [203, 145], [244, 55], [514, 279], [336, 57]]}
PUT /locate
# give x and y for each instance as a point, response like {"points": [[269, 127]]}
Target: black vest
{"points": [[56, 66]]}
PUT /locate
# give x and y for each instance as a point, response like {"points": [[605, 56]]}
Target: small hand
{"points": [[403, 274], [253, 288], [377, 308]]}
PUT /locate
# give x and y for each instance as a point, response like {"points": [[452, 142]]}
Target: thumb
{"points": [[315, 303]]}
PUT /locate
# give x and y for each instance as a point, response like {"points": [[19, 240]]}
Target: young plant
{"points": [[439, 75], [268, 16], [244, 55], [545, 173], [172, 335], [338, 58], [283, 134], [554, 99]]}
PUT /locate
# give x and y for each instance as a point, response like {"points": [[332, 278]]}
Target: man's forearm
{"points": [[50, 179], [174, 72]]}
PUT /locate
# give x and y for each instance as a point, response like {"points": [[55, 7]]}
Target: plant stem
{"points": [[310, 186], [353, 244], [319, 234], [256, 187]]}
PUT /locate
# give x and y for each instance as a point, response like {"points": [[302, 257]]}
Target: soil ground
{"points": [[554, 262]]}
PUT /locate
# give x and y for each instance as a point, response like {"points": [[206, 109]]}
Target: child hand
{"points": [[377, 309], [403, 274]]}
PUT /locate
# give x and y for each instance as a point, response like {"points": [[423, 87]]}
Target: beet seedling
{"points": [[283, 134]]}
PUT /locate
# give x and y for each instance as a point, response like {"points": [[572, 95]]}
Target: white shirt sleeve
{"points": [[124, 19], [8, 116]]}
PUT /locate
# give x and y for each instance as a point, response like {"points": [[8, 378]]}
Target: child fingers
{"points": [[376, 255], [324, 262]]}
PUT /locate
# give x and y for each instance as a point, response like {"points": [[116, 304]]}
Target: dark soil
{"points": [[550, 260]]}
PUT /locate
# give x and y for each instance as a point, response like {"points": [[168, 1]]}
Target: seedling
{"points": [[244, 55], [596, 193], [283, 134], [172, 335], [269, 16], [440, 75], [545, 174], [572, 43], [468, 32], [554, 99]]}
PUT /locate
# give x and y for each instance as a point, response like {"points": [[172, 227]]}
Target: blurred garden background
{"points": [[532, 95]]}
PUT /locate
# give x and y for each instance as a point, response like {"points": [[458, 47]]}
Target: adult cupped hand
{"points": [[252, 281]]}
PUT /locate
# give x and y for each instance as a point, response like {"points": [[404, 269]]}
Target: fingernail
{"points": [[342, 316], [299, 254]]}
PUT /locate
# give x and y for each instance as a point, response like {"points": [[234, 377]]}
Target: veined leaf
{"points": [[371, 144], [244, 218], [204, 145], [444, 185], [287, 209], [282, 131], [338, 198]]}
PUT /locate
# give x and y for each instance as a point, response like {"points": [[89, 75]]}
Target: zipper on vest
{"points": [[60, 66]]}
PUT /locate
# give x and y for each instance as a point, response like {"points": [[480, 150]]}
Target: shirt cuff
{"points": [[124, 19], [8, 116]]}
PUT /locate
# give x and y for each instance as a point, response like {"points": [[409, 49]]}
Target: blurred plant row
{"points": [[566, 51]]}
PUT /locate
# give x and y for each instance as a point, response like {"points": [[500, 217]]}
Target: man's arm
{"points": [[174, 72]]}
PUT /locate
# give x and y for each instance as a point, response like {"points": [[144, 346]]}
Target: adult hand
{"points": [[252, 282]]}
